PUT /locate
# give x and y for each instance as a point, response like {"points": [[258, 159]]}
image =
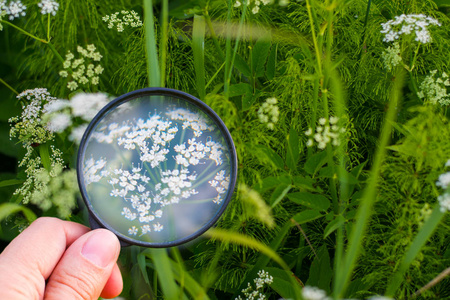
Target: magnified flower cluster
{"points": [[268, 113], [28, 126], [251, 293], [128, 18], [165, 172], [444, 183], [409, 24], [84, 70], [434, 88], [327, 131]]}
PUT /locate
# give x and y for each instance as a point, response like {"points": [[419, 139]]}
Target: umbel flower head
{"points": [[128, 18], [15, 9], [444, 183], [327, 131], [28, 126], [252, 293], [414, 24], [268, 113], [434, 88], [84, 70], [48, 7]]}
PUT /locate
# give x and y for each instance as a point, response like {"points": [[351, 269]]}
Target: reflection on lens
{"points": [[157, 168]]}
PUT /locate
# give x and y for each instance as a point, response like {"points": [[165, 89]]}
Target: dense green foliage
{"points": [[341, 217]]}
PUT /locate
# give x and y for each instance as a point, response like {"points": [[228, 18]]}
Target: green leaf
{"points": [[272, 62], [320, 273], [241, 65], [154, 79], [10, 182], [314, 201], [143, 266], [45, 156], [279, 193], [271, 182], [333, 225], [315, 162], [240, 89], [293, 149], [190, 284], [281, 283], [303, 182], [333, 172], [307, 216], [268, 155], [198, 44], [259, 56], [7, 209]]}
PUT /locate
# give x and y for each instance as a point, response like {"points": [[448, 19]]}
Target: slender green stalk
{"points": [[236, 45], [198, 44], [25, 32], [363, 38], [313, 33], [365, 209], [213, 35], [164, 40], [150, 43], [9, 87], [48, 28], [163, 268], [226, 85]]}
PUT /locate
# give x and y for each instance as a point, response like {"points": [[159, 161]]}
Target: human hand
{"points": [[55, 259]]}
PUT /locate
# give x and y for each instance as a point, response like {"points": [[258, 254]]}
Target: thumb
{"points": [[85, 267]]}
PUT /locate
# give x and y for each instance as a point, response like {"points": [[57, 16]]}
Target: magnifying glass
{"points": [[157, 167]]}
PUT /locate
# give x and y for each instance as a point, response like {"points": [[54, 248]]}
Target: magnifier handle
{"points": [[95, 225]]}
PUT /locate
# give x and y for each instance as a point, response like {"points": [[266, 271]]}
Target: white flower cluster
{"points": [[48, 7], [327, 131], [391, 56], [61, 114], [146, 192], [256, 4], [434, 88], [129, 18], [256, 294], [314, 293], [409, 24], [82, 70], [2, 12], [269, 113], [14, 9], [46, 189], [27, 127], [444, 183]]}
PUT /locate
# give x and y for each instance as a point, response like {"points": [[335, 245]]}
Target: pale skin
{"points": [[55, 259]]}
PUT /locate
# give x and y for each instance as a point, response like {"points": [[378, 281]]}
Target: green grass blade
{"points": [[191, 285], [164, 40], [163, 268], [7, 209], [198, 48], [240, 239], [364, 212], [414, 249], [150, 43]]}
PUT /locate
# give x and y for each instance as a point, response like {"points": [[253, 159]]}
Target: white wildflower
{"points": [[327, 132], [434, 88], [416, 24], [87, 106], [128, 18], [251, 293], [313, 293], [15, 9], [269, 113], [48, 7], [391, 56], [59, 122]]}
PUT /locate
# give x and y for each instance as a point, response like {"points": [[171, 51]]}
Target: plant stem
{"points": [[150, 42], [433, 282], [164, 40], [24, 32], [213, 34], [48, 28], [370, 192], [9, 87]]}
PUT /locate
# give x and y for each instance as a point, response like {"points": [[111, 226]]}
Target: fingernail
{"points": [[101, 248]]}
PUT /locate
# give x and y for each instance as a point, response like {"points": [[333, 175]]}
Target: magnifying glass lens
{"points": [[157, 167]]}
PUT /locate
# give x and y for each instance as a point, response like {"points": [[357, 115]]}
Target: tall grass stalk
{"points": [[153, 72], [368, 199]]}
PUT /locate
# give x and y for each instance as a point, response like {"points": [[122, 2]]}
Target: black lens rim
{"points": [[157, 92]]}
